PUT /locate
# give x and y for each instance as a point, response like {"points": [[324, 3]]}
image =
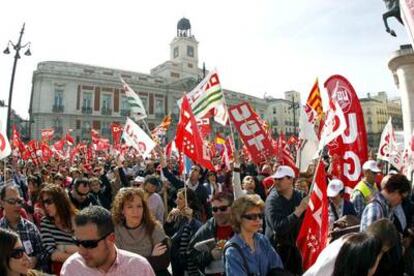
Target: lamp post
{"points": [[294, 105], [17, 47]]}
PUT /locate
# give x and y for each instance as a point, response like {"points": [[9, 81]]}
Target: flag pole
{"points": [[230, 124]]}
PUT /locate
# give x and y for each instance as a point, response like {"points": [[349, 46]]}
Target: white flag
{"points": [[135, 103], [335, 123], [309, 146], [207, 96], [135, 137], [387, 142], [5, 149]]}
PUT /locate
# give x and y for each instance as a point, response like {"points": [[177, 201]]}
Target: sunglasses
{"points": [[82, 194], [48, 201], [221, 208], [90, 244], [13, 201], [252, 216], [17, 253]]}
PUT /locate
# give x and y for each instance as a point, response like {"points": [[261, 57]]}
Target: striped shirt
{"points": [[52, 236]]}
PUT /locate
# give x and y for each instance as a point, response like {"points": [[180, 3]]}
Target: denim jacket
{"points": [[260, 261]]}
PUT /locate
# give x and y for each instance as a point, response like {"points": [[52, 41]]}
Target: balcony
{"points": [[106, 111], [124, 112], [86, 109], [58, 108]]}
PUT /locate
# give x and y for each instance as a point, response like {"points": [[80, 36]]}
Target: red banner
{"points": [[350, 150], [251, 131], [116, 133], [313, 234], [47, 134]]}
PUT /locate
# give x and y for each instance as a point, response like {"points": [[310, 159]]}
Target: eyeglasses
{"points": [[90, 244], [48, 201], [221, 208], [17, 253], [252, 216], [14, 201], [82, 194]]}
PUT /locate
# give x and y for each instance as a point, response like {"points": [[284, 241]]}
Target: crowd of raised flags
{"points": [[339, 132]]}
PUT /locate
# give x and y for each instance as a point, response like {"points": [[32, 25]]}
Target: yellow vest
{"points": [[365, 190]]}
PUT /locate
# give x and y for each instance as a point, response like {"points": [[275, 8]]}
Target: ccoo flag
{"points": [[135, 103]]}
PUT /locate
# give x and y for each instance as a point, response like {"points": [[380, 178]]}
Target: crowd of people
{"points": [[130, 216]]}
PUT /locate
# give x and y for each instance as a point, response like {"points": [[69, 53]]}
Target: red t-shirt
{"points": [[224, 232]]}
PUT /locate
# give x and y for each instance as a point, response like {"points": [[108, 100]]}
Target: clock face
{"points": [[190, 51], [176, 52]]}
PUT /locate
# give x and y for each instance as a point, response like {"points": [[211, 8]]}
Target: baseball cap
{"points": [[283, 171], [371, 165], [335, 186]]}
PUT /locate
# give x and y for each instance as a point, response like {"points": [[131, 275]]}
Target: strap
{"points": [[237, 247]]}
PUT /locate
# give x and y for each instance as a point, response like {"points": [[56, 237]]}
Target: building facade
{"points": [[377, 109], [78, 97]]}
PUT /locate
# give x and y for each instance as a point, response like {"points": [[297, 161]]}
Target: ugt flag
{"points": [[135, 137]]}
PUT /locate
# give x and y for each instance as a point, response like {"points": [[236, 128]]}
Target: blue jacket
{"points": [[260, 261]]}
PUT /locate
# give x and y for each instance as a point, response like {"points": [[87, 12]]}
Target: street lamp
{"points": [[17, 47], [294, 105]]}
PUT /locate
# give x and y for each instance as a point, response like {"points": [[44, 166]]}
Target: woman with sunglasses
{"points": [[249, 251], [13, 258], [56, 227], [137, 231]]}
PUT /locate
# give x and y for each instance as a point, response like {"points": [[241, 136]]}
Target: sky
{"points": [[257, 47]]}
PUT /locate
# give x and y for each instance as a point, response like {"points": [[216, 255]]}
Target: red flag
{"points": [[284, 155], [116, 133], [102, 145], [251, 131], [188, 138], [47, 134], [204, 127], [293, 140], [32, 149], [69, 139], [350, 148], [58, 145], [95, 136], [47, 153], [313, 233]]}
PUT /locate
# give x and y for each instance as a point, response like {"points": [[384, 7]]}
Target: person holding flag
{"points": [[284, 210]]}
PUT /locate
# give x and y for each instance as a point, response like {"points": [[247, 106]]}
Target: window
{"points": [[159, 106], [106, 101], [190, 51], [274, 110], [190, 65], [124, 103], [144, 100], [87, 99], [58, 97], [174, 75], [175, 52]]}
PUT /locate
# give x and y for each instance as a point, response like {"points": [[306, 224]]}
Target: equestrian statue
{"points": [[393, 10]]}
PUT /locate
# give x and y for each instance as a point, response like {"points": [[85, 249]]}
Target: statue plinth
{"points": [[402, 66]]}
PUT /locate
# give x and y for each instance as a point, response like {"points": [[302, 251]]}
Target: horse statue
{"points": [[393, 10]]}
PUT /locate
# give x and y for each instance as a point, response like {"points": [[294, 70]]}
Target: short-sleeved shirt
{"points": [[126, 264]]}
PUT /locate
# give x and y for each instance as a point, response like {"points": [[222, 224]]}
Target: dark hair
{"points": [[80, 181], [152, 179], [357, 255], [8, 240], [4, 189], [96, 215], [384, 230], [223, 196], [64, 208], [192, 199], [397, 183]]}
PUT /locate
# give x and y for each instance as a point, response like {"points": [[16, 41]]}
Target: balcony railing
{"points": [[124, 112], [58, 108], [87, 109], [106, 111]]}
